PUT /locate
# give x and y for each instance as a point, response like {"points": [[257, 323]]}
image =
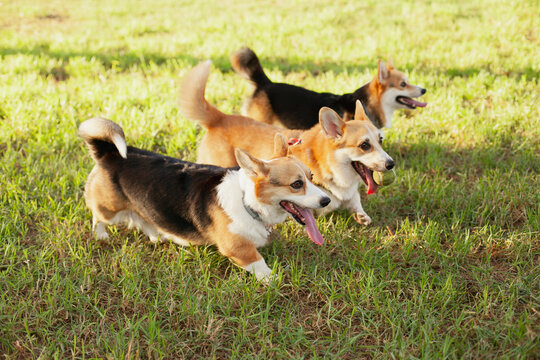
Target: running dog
{"points": [[339, 154], [186, 203], [294, 107]]}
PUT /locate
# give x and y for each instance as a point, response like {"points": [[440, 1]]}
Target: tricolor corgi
{"points": [[339, 154], [294, 107], [171, 199]]}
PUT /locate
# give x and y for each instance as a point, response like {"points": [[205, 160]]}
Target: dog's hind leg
{"points": [[99, 229]]}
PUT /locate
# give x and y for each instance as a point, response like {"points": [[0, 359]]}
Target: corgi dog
{"points": [[294, 107], [339, 154], [186, 203]]}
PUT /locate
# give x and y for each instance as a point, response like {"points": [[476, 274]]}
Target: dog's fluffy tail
{"points": [[192, 103], [102, 137], [247, 64]]}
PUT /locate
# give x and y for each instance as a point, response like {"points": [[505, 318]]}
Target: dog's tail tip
{"points": [[97, 132], [191, 100], [246, 63], [120, 142]]}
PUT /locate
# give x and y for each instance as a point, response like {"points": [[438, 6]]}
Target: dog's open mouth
{"points": [[366, 175], [410, 102], [304, 217]]}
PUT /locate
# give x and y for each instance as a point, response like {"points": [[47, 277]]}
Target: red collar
{"points": [[294, 141]]}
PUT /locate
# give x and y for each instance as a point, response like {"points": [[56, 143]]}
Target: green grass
{"points": [[449, 269]]}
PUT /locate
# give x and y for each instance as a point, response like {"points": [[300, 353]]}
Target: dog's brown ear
{"points": [[252, 166], [389, 64], [281, 147], [331, 123], [382, 72], [359, 113]]}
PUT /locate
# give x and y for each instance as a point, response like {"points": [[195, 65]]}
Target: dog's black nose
{"points": [[325, 201], [423, 91], [390, 164]]}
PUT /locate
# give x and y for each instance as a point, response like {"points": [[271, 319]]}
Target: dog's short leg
{"points": [[261, 271], [99, 229], [150, 231], [244, 253], [362, 218], [355, 206]]}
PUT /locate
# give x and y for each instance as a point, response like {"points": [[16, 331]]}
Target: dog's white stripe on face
{"points": [[312, 197], [389, 103]]}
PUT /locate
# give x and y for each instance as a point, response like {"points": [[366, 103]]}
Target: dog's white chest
{"points": [[255, 232], [242, 223]]}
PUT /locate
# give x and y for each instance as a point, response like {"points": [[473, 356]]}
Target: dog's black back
{"points": [[171, 193], [296, 107]]}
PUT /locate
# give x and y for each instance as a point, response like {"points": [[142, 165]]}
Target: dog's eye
{"points": [[365, 146], [311, 176], [298, 184], [380, 140], [403, 84]]}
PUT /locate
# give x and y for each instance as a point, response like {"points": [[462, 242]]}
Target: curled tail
{"points": [[192, 103], [103, 136], [247, 64]]}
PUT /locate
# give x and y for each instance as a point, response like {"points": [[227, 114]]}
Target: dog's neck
{"points": [[236, 195], [370, 95], [252, 212], [268, 214]]}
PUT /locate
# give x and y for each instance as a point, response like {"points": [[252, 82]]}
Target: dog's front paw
{"points": [[362, 218], [265, 276], [261, 271], [267, 279]]}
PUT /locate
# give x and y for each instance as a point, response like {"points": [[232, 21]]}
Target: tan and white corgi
{"points": [[171, 199], [294, 107], [339, 154]]}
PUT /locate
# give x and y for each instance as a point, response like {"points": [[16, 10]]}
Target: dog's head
{"points": [[397, 91], [357, 146], [284, 182]]}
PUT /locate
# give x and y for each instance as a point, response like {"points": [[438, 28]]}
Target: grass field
{"points": [[448, 270]]}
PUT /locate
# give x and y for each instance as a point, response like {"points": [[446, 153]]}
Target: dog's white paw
{"points": [[261, 271], [362, 218], [101, 231], [266, 278]]}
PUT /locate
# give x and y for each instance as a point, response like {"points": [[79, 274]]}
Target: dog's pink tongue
{"points": [[414, 102], [418, 103], [372, 185], [311, 226]]}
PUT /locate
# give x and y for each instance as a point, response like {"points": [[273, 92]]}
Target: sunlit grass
{"points": [[449, 269]]}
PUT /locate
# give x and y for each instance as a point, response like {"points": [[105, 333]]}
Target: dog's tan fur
{"points": [[112, 201], [317, 148], [258, 107], [293, 107]]}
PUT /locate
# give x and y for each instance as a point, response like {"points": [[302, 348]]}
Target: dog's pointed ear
{"points": [[331, 123], [252, 166], [281, 147], [389, 64], [359, 112], [382, 72]]}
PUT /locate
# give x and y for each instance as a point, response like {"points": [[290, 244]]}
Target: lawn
{"points": [[449, 269]]}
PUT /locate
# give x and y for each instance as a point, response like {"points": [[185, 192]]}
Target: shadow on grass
{"points": [[492, 185], [426, 155], [123, 59]]}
